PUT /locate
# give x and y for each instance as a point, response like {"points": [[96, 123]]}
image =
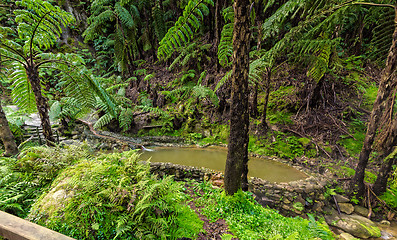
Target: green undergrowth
{"points": [[114, 196], [249, 220], [354, 142], [24, 178], [281, 145]]}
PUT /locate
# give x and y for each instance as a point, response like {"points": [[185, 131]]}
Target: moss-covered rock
{"points": [[356, 225], [115, 196]]}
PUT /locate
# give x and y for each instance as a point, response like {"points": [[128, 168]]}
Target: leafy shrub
{"points": [[114, 196], [249, 220]]}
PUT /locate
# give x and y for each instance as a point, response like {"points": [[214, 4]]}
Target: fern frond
{"points": [[39, 24], [320, 66], [225, 47], [103, 121], [224, 79], [126, 118], [96, 23], [159, 23], [272, 26], [22, 93], [125, 16], [181, 33]]}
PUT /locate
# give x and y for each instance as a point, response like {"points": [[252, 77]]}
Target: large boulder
{"points": [[356, 225]]}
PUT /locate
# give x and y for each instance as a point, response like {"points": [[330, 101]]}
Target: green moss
{"points": [[374, 231]]}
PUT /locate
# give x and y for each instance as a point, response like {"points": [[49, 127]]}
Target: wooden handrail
{"points": [[15, 228]]}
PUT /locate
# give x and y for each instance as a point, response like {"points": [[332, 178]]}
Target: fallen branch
{"points": [[90, 126]]}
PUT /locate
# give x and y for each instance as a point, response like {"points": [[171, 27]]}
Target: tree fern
{"points": [[36, 23], [21, 92], [382, 33], [159, 22], [225, 47], [320, 66], [182, 32]]}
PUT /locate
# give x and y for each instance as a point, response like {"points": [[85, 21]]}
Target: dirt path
{"points": [[212, 230]]}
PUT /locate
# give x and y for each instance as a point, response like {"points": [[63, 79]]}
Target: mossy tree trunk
{"points": [[41, 102], [6, 135], [386, 87], [237, 156]]}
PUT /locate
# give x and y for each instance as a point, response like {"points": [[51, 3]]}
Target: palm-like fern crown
{"points": [[39, 24]]}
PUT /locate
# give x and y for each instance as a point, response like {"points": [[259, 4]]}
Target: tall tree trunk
{"points": [[237, 155], [41, 102], [384, 92], [6, 135]]}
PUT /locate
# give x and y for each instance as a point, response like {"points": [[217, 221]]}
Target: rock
{"points": [[385, 223], [346, 208], [346, 236], [356, 225], [76, 137], [318, 206], [341, 199], [362, 211]]}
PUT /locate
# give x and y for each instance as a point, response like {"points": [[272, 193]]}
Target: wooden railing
{"points": [[15, 228]]}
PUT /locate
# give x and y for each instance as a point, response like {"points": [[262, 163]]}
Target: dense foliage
{"points": [[115, 196]]}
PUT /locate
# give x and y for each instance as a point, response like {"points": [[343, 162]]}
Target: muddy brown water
{"points": [[215, 158]]}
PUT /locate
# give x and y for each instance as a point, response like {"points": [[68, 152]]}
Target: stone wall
{"points": [[291, 199]]}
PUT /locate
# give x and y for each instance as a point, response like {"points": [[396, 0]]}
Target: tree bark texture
{"points": [[237, 155], [6, 135], [385, 90], [41, 102]]}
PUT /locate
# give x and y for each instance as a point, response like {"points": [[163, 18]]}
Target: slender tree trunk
{"points": [[380, 184], [387, 142], [267, 93], [218, 25], [384, 92], [254, 104], [237, 155], [6, 135], [41, 102]]}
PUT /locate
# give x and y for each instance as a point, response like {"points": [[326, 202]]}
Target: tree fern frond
{"points": [[320, 66], [159, 22], [272, 25], [181, 33], [40, 25], [96, 23], [225, 47], [224, 79], [200, 91], [103, 121], [126, 118], [22, 93], [125, 16]]}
